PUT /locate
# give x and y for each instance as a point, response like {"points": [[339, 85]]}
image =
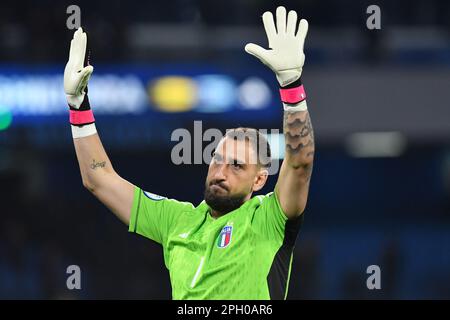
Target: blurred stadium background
{"points": [[380, 106]]}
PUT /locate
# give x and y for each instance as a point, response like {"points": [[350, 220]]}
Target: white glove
{"points": [[76, 76], [285, 57]]}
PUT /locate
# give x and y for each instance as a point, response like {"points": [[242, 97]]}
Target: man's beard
{"points": [[222, 203]]}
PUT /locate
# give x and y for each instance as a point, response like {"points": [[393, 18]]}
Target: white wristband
{"points": [[83, 131], [301, 106]]}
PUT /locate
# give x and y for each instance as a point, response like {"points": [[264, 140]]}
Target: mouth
{"points": [[218, 187]]}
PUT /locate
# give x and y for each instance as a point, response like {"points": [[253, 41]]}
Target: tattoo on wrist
{"points": [[95, 164]]}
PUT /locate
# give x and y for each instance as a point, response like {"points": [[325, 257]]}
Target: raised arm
{"points": [[97, 173], [295, 173], [286, 58]]}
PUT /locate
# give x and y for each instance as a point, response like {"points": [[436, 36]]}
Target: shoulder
{"points": [[263, 198], [257, 201], [269, 207], [166, 201]]}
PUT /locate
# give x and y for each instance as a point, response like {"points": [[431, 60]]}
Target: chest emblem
{"points": [[225, 237]]}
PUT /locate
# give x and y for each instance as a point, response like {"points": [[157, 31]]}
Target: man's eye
{"points": [[236, 165]]}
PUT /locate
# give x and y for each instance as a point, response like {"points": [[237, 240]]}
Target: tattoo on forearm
{"points": [[299, 147], [95, 164], [299, 135]]}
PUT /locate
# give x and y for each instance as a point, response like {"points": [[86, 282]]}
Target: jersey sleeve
{"points": [[271, 221], [154, 216]]}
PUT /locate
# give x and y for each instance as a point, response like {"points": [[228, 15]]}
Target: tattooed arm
{"points": [[97, 172], [295, 173], [100, 178], [286, 58]]}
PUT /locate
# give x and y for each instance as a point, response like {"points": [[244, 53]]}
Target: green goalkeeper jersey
{"points": [[245, 254]]}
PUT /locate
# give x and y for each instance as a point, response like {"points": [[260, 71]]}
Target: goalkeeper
{"points": [[232, 245]]}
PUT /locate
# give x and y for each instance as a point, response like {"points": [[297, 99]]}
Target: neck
{"points": [[217, 214]]}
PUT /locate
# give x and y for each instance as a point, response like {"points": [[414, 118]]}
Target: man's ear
{"points": [[260, 179]]}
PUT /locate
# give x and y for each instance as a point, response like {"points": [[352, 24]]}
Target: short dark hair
{"points": [[257, 140]]}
